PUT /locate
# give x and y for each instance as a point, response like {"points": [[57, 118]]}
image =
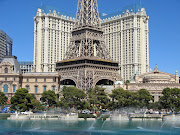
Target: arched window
{"points": [[6, 70], [53, 88], [27, 87], [6, 88]]}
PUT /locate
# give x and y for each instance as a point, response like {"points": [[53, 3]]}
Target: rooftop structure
{"points": [[12, 60], [26, 66]]}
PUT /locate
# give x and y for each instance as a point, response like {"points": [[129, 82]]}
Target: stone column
{"points": [[135, 45]]}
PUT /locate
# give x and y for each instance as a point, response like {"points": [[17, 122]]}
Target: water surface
{"points": [[48, 127]]}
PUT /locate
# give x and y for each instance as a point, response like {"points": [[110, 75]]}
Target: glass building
{"points": [[5, 45]]}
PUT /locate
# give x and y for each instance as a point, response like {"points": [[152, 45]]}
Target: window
{"points": [[6, 70], [53, 88], [44, 79], [6, 88], [14, 88], [44, 88], [153, 99], [36, 80], [27, 79], [54, 79], [27, 87], [36, 89]]}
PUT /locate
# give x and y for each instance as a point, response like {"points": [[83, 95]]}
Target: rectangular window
{"points": [[6, 88], [27, 87], [27, 79], [36, 80], [44, 79], [14, 88], [44, 88], [54, 79], [53, 88], [36, 89]]}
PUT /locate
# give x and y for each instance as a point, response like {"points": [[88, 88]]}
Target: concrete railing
{"points": [[145, 115], [44, 116]]}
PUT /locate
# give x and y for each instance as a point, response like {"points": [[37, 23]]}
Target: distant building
{"points": [[154, 81], [126, 36], [26, 66], [5, 45]]}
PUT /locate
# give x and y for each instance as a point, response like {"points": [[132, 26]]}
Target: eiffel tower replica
{"points": [[87, 60]]}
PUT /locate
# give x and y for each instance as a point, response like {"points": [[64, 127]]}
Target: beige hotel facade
{"points": [[12, 79], [126, 37]]}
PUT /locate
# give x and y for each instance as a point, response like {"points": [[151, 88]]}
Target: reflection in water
{"points": [[46, 127]]}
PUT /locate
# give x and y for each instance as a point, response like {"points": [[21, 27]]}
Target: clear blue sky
{"points": [[16, 19]]}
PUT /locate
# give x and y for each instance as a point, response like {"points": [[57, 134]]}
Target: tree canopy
{"points": [[73, 97], [3, 99], [49, 97], [124, 98], [22, 100], [171, 99], [144, 97], [98, 97]]}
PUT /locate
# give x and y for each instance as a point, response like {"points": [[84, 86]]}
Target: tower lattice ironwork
{"points": [[87, 60], [87, 14], [87, 37]]}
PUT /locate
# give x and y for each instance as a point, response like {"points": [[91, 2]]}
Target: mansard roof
{"points": [[13, 61]]}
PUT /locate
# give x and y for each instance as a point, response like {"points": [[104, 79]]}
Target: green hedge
{"points": [[4, 116], [85, 116]]}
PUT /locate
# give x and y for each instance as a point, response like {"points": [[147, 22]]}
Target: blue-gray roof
{"points": [[13, 61], [132, 8], [25, 62], [47, 8]]}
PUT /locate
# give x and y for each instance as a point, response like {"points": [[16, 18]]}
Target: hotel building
{"points": [[126, 36], [52, 34]]}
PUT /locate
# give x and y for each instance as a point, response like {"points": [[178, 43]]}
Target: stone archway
{"points": [[104, 78], [68, 79], [68, 82], [105, 82]]}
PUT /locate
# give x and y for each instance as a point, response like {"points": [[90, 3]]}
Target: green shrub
{"points": [[4, 116], [85, 116]]}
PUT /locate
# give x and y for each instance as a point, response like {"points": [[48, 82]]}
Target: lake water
{"points": [[47, 127]]}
